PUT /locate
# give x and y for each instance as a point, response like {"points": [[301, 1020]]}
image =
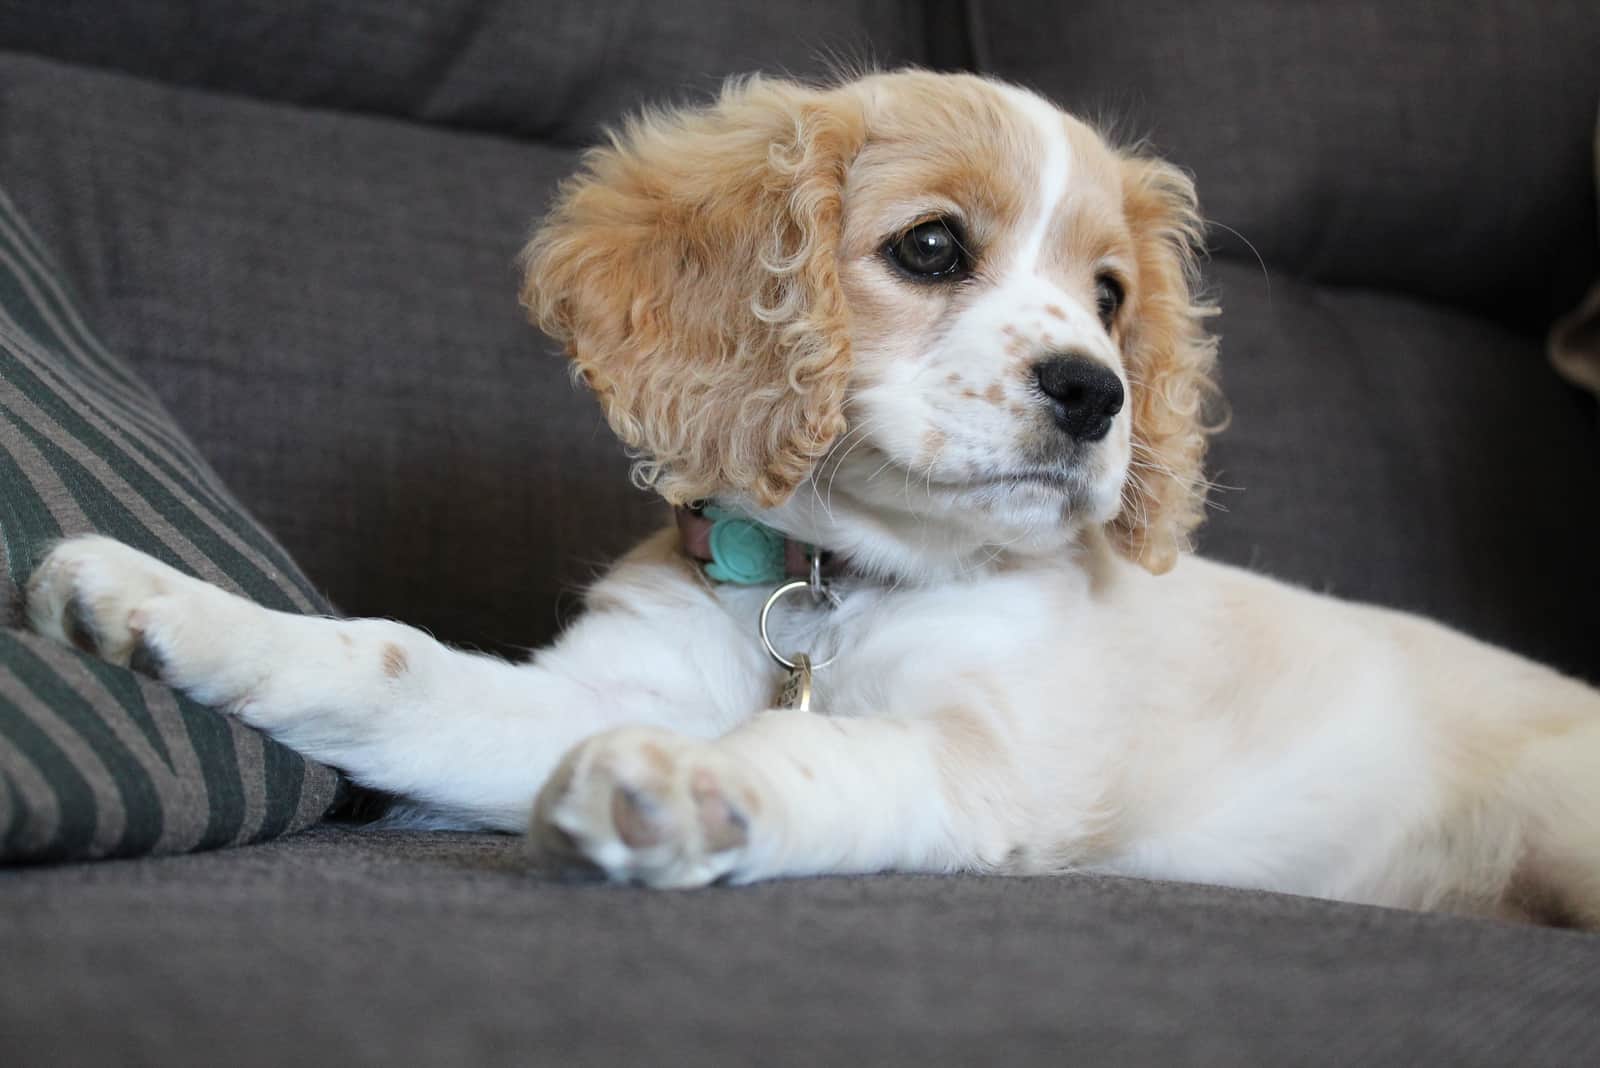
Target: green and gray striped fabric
{"points": [[94, 760]]}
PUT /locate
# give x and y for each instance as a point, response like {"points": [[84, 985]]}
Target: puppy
{"points": [[926, 348]]}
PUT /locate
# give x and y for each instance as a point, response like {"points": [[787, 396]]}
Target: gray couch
{"points": [[298, 220]]}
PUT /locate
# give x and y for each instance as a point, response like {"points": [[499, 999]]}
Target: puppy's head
{"points": [[936, 294]]}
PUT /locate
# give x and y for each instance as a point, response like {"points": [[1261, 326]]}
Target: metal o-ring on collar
{"points": [[766, 610]]}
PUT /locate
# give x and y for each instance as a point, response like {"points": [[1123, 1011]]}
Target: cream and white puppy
{"points": [[939, 328]]}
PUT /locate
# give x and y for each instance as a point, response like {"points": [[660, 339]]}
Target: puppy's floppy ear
{"points": [[690, 268], [1170, 360]]}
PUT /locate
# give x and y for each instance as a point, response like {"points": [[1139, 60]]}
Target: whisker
{"points": [[881, 468], [1265, 275], [860, 431]]}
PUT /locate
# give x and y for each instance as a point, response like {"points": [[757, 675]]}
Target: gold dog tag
{"points": [[796, 689]]}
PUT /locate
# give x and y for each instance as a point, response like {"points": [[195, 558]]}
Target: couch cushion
{"points": [[94, 762], [1575, 337], [1409, 454], [328, 303], [550, 70], [1438, 149], [340, 947]]}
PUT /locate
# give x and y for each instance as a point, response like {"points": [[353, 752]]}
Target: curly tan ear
{"points": [[1170, 359], [690, 270]]}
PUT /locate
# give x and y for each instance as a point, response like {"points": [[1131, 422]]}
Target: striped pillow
{"points": [[94, 760]]}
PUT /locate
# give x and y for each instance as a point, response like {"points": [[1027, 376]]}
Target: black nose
{"points": [[1084, 394]]}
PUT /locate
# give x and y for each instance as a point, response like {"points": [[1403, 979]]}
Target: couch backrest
{"points": [[1442, 149], [547, 70], [300, 219]]}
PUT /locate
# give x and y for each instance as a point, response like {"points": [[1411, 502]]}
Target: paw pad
{"points": [[647, 806]]}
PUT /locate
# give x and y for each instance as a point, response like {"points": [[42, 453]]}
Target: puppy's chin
{"points": [[1033, 500], [1006, 505]]}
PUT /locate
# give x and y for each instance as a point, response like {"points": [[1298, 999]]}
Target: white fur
{"points": [[1054, 171], [1009, 695], [1208, 725]]}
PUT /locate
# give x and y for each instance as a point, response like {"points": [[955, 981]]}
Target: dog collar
{"points": [[742, 551]]}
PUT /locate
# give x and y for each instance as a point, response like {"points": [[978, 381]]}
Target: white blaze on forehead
{"points": [[1054, 169]]}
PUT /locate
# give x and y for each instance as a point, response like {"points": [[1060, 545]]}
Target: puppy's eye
{"points": [[1108, 297], [929, 250]]}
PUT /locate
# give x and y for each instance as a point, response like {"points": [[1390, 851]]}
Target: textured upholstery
{"points": [[547, 71], [328, 303], [1407, 453], [95, 761], [336, 947]]}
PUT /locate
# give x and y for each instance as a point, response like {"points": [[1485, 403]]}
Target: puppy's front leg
{"points": [[470, 737], [788, 793]]}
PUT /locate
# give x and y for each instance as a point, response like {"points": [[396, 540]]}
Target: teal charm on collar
{"points": [[743, 551]]}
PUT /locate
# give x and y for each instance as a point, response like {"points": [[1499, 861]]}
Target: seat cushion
{"points": [[346, 947], [95, 761]]}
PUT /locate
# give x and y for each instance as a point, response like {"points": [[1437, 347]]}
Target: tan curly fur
{"points": [[691, 270], [1170, 361]]}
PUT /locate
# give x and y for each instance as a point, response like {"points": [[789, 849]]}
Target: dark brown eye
{"points": [[929, 250], [1108, 297]]}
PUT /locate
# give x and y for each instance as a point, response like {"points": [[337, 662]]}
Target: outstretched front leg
{"points": [[471, 737], [788, 793]]}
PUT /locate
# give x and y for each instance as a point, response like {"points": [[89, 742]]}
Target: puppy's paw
{"points": [[130, 609], [646, 805], [93, 593]]}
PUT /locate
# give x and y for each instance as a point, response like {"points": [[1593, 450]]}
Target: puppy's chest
{"points": [[876, 648]]}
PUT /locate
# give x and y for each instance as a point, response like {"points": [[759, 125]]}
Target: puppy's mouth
{"points": [[1066, 481], [1070, 483]]}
